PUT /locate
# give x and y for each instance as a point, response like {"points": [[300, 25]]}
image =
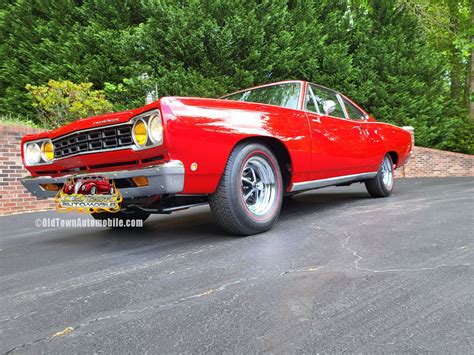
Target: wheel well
{"points": [[394, 157], [280, 151]]}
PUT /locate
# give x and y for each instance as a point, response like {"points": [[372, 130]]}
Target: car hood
{"points": [[94, 122]]}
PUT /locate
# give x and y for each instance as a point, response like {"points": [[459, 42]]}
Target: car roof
{"points": [[278, 83]]}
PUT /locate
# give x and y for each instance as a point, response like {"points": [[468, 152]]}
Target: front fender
{"points": [[204, 131]]}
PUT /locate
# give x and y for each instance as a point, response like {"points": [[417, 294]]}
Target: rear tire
{"points": [[248, 198], [382, 184]]}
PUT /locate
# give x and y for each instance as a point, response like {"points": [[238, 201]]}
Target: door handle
{"points": [[316, 120]]}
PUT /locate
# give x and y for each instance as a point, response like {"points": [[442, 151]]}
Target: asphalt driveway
{"points": [[339, 272]]}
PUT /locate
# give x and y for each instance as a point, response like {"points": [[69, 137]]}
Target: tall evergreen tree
{"points": [[373, 50]]}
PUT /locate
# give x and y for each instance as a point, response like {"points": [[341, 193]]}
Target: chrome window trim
{"points": [[314, 101], [339, 98], [366, 116], [300, 95]]}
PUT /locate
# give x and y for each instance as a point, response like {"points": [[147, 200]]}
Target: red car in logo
{"points": [[89, 185]]}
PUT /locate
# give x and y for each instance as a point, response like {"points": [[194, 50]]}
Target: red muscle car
{"points": [[241, 153], [89, 185]]}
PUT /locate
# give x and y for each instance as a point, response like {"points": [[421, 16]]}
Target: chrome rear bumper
{"points": [[166, 178]]}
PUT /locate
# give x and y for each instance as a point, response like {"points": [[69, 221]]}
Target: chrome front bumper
{"points": [[166, 178]]}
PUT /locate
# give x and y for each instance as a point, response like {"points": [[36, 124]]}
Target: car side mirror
{"points": [[329, 106]]}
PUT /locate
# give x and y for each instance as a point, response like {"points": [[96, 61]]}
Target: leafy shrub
{"points": [[60, 102], [128, 94]]}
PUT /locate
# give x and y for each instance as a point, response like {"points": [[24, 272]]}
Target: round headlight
{"points": [[33, 153], [155, 127], [47, 151], [139, 133]]}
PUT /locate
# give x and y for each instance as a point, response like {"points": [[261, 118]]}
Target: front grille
{"points": [[93, 141]]}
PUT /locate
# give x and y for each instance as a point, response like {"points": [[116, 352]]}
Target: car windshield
{"points": [[284, 95]]}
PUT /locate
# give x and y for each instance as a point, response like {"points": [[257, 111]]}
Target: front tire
{"points": [[248, 198], [382, 184]]}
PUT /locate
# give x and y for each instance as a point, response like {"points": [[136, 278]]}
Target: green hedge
{"points": [[374, 51]]}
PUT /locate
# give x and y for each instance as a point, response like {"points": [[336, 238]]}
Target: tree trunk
{"points": [[455, 60], [470, 75]]}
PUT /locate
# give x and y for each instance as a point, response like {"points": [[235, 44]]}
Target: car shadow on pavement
{"points": [[194, 220], [198, 222], [194, 226], [312, 202]]}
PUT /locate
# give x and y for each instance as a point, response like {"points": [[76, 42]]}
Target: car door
{"points": [[338, 144], [371, 133]]}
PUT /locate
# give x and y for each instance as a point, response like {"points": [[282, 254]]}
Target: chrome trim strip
{"points": [[315, 184]]}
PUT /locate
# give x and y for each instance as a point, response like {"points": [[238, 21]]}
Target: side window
{"points": [[283, 95], [353, 111], [322, 95], [241, 96]]}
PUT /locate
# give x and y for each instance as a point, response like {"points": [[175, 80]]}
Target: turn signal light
{"points": [[50, 187], [140, 181]]}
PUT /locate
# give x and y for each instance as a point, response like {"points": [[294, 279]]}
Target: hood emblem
{"points": [[108, 120]]}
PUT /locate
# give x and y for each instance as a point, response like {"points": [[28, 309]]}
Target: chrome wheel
{"points": [[387, 173], [258, 184], [248, 198]]}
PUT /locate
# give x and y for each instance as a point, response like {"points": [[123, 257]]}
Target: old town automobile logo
{"points": [[89, 194]]}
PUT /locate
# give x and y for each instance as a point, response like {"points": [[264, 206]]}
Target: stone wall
{"points": [[14, 198]]}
